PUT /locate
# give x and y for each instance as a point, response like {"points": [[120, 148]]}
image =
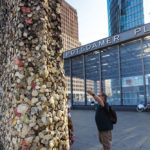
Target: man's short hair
{"points": [[68, 97], [104, 95]]}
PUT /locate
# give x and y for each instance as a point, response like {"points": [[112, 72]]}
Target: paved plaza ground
{"points": [[132, 132]]}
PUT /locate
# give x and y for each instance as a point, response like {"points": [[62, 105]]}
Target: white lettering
{"points": [[137, 30], [108, 40], [82, 49], [72, 52], [94, 45], [77, 50], [88, 47], [101, 43], [116, 38]]}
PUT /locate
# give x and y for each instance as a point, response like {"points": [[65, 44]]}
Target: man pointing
{"points": [[103, 122]]}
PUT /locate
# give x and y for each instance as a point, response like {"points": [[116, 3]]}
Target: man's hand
{"points": [[97, 98], [90, 92]]}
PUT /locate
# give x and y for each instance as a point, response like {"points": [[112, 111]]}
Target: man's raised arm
{"points": [[97, 98]]}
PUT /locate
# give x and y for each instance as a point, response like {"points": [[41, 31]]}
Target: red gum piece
{"points": [[17, 61], [26, 148], [23, 142], [21, 64], [28, 110], [26, 10], [33, 85], [19, 85], [29, 21], [16, 113], [19, 115]]}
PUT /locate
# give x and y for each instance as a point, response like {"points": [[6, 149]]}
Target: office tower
{"points": [[124, 15], [69, 25]]}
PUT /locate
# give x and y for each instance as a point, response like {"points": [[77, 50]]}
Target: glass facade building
{"points": [[118, 65], [124, 15]]}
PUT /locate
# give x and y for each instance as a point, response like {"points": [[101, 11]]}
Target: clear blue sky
{"points": [[92, 19]]}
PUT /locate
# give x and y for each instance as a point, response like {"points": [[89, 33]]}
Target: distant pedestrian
{"points": [[1, 146], [69, 106], [70, 123], [102, 119]]}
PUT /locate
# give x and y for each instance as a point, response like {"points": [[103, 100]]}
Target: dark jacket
{"points": [[102, 119]]}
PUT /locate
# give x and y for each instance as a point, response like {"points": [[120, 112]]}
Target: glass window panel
{"points": [[146, 54], [78, 81], [67, 77], [110, 75], [131, 73], [92, 67]]}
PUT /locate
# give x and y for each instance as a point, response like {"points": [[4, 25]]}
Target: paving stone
{"points": [[130, 133]]}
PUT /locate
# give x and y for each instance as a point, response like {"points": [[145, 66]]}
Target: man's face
{"points": [[102, 96]]}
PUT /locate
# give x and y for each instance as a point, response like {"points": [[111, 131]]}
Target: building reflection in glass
{"points": [[92, 73], [78, 81], [110, 75], [146, 55], [132, 73], [121, 71]]}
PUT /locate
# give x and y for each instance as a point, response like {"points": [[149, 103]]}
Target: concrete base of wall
{"points": [[118, 108]]}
